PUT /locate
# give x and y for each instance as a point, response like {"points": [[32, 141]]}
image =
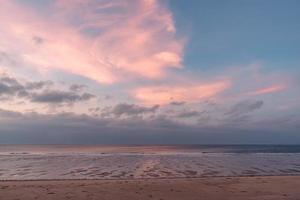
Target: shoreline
{"points": [[210, 188], [156, 178]]}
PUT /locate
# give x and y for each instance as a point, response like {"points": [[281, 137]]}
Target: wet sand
{"points": [[262, 188]]}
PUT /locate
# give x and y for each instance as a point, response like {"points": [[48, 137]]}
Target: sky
{"points": [[149, 72]]}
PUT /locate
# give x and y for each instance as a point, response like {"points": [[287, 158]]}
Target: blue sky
{"points": [[226, 33]]}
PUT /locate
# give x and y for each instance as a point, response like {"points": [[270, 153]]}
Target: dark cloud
{"points": [[10, 87], [188, 114], [38, 40], [240, 113], [77, 87], [132, 109], [58, 97], [9, 80], [177, 103], [86, 96], [70, 128], [38, 85], [40, 91], [9, 114], [244, 107]]}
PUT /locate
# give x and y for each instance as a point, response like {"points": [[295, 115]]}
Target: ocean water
{"points": [[34, 162]]}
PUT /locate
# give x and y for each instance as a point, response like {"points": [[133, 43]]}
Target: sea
{"points": [[55, 162]]}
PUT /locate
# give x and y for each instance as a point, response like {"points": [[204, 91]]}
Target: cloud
{"points": [[177, 103], [132, 109], [58, 97], [77, 87], [244, 107], [38, 40], [5, 58], [40, 91], [54, 128], [101, 40], [38, 85], [185, 92], [188, 114], [111, 41], [267, 90], [10, 87], [71, 128], [94, 110], [8, 114]]}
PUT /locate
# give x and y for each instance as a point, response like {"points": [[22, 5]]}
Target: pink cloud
{"points": [[105, 41], [267, 90], [187, 93]]}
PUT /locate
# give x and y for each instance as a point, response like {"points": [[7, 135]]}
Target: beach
{"points": [[149, 172], [212, 188]]}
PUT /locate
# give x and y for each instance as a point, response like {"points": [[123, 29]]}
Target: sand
{"points": [[231, 188]]}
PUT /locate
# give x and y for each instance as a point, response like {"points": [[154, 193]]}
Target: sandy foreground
{"points": [[261, 188]]}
